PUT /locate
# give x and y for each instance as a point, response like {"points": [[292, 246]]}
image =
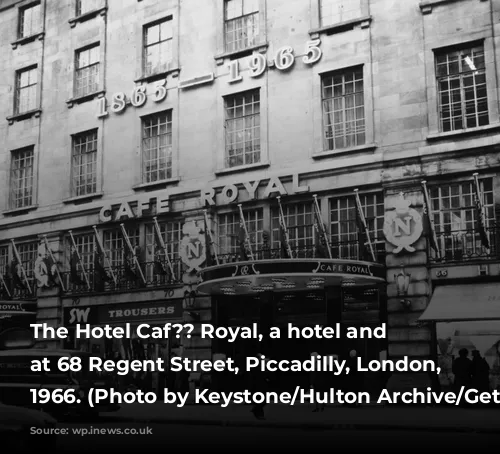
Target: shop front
{"points": [[151, 313], [466, 316], [300, 293]]}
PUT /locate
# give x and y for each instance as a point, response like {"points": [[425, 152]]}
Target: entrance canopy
{"points": [[287, 275], [471, 302], [14, 308]]}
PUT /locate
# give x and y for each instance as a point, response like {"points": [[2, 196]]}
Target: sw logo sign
{"points": [[77, 316], [192, 248], [403, 226]]}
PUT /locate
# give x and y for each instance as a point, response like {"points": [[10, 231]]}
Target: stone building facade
{"points": [[126, 112]]}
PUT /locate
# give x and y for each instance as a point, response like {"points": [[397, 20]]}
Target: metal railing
{"points": [[156, 275], [17, 293], [460, 245]]}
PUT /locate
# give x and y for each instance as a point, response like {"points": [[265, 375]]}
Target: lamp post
{"points": [[402, 280]]}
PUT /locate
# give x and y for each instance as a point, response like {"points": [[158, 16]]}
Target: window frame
{"points": [[21, 10], [11, 205], [73, 190], [33, 67], [76, 69], [169, 63]]}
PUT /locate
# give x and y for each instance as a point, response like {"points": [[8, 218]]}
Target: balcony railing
{"points": [[17, 293], [463, 245], [156, 275], [346, 250]]}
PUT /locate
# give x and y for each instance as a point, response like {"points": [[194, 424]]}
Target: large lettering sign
{"points": [[283, 60], [125, 211], [403, 226], [231, 194], [192, 249], [138, 97], [127, 312]]}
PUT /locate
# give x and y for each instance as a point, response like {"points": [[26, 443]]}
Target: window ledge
{"points": [[152, 77], [219, 59], [23, 116], [87, 16], [23, 210], [463, 132], [155, 184], [85, 98], [341, 151], [83, 198], [364, 21], [426, 7], [27, 39], [243, 168]]}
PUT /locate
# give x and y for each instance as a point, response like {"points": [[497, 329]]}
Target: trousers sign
{"points": [[230, 193], [403, 226]]}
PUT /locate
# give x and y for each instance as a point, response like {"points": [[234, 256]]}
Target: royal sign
{"points": [[231, 194], [403, 226]]}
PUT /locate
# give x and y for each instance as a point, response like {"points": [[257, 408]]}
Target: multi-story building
{"points": [[123, 121]]}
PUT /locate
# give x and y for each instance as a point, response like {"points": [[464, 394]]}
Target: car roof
{"points": [[37, 352]]}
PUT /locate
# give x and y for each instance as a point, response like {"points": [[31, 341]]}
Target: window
{"points": [[229, 231], [158, 46], [299, 219], [84, 159], [172, 235], [241, 24], [30, 20], [21, 178], [86, 6], [87, 71], [28, 253], [345, 229], [242, 129], [157, 147], [85, 245], [26, 85], [4, 261], [116, 247], [337, 11], [455, 218], [343, 109], [461, 82]]}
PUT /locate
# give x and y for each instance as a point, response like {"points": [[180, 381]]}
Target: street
{"points": [[231, 438]]}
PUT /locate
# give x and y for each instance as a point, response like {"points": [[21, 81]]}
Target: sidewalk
{"points": [[373, 417]]}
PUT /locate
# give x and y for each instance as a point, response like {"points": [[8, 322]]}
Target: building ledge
{"points": [[85, 17], [427, 6], [234, 54], [463, 132], [85, 98], [161, 75], [24, 115], [340, 27], [27, 39], [18, 211], [243, 168], [155, 184], [342, 151], [83, 198]]}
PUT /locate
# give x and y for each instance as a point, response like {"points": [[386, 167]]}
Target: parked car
{"points": [[25, 430]]}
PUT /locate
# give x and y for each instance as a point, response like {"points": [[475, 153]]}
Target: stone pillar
{"points": [[49, 302], [405, 336], [200, 309]]}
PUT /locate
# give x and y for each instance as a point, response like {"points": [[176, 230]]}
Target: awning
{"points": [[469, 302], [10, 308]]}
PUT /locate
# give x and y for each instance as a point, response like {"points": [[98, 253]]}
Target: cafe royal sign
{"points": [[229, 194]]}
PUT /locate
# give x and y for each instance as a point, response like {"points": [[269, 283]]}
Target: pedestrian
{"points": [[319, 384], [262, 381], [480, 372], [462, 370], [354, 379]]}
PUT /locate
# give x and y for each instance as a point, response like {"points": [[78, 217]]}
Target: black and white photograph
{"points": [[249, 225]]}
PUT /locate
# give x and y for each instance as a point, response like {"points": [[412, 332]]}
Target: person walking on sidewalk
{"points": [[480, 372], [319, 384], [462, 370], [261, 382]]}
